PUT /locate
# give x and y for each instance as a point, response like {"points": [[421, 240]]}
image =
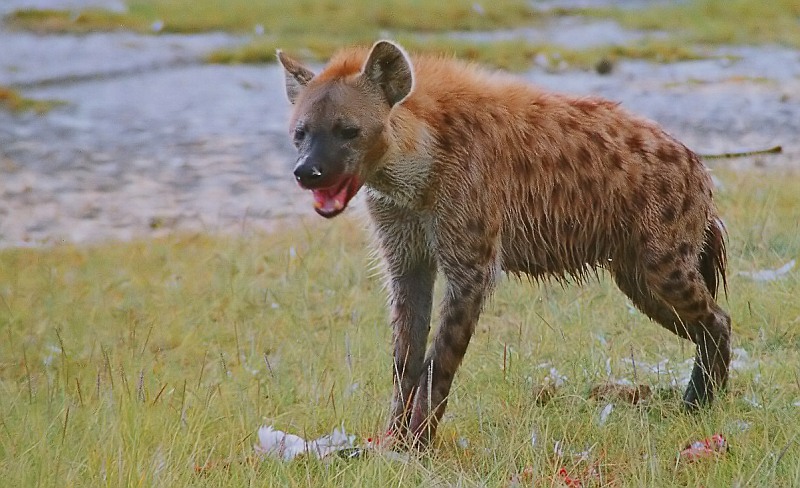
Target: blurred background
{"points": [[131, 118]]}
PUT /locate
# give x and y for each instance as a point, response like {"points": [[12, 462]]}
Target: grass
{"points": [[15, 102], [508, 55], [132, 363], [321, 17], [715, 21], [316, 28]]}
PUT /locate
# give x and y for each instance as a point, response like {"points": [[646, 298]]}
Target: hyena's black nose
{"points": [[307, 174]]}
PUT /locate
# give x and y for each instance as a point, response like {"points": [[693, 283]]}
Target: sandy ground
{"points": [[153, 141]]}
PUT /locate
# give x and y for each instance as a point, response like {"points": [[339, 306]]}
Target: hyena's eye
{"points": [[350, 132], [299, 134]]}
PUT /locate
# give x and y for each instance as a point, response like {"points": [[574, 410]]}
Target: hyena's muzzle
{"points": [[321, 167]]}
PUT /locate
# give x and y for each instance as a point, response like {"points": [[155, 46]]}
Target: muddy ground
{"points": [[151, 140]]}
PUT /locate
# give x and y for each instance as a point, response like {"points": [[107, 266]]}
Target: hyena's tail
{"points": [[713, 257]]}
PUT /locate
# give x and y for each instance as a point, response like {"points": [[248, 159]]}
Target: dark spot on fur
{"points": [[685, 249], [674, 288], [668, 214], [666, 153], [586, 183], [676, 275], [692, 276], [688, 202], [476, 226], [456, 318], [634, 143], [573, 124], [687, 294], [698, 306], [662, 261], [447, 120], [470, 263], [447, 333], [555, 193], [545, 163], [598, 140], [663, 188], [616, 160], [584, 155], [446, 145]]}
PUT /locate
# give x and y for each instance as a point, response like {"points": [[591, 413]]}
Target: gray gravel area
{"points": [[152, 141]]}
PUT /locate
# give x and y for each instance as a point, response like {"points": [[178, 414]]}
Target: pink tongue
{"points": [[327, 201]]}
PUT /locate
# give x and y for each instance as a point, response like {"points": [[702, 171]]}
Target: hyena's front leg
{"points": [[411, 271], [470, 272], [411, 297]]}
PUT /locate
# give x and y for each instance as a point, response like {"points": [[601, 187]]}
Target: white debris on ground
{"points": [[555, 378], [677, 374], [769, 274], [741, 360], [604, 414], [278, 444]]}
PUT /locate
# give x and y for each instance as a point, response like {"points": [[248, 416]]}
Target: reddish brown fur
{"points": [[478, 171]]}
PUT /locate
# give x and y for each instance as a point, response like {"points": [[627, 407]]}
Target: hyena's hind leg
{"points": [[674, 289]]}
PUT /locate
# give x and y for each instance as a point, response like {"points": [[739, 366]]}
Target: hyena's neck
{"points": [[404, 176]]}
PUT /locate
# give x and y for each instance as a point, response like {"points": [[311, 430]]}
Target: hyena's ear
{"points": [[297, 75], [389, 67]]}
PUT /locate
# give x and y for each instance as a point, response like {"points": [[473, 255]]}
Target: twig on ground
{"points": [[743, 154]]}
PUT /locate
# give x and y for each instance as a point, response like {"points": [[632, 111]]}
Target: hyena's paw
{"points": [[701, 389], [422, 428]]}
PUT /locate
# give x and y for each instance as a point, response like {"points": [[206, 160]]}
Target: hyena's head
{"points": [[340, 119]]}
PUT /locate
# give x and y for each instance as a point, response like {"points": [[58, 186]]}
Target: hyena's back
{"points": [[575, 182]]}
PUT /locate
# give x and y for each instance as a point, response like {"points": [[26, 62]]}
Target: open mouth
{"points": [[331, 201]]}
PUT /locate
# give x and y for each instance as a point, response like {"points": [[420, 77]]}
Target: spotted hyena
{"points": [[470, 172]]}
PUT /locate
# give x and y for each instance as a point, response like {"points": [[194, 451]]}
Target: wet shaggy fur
{"points": [[473, 172]]}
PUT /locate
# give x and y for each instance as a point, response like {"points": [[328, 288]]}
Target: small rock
{"points": [[604, 67]]}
